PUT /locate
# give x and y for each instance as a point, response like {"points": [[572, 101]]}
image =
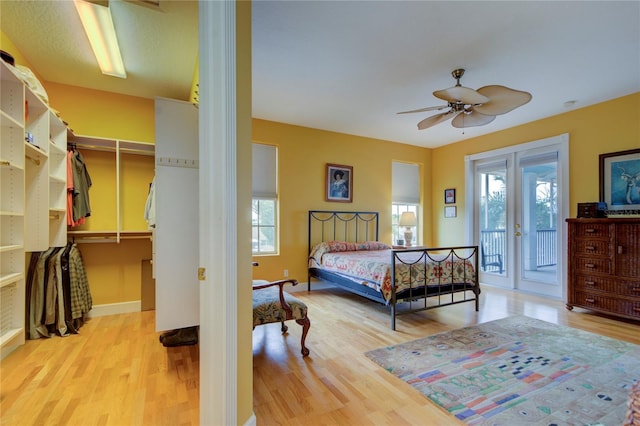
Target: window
{"points": [[397, 231], [264, 212], [405, 198], [263, 226]]}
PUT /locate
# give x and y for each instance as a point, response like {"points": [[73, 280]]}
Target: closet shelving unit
{"points": [[32, 201], [119, 147], [57, 182], [12, 210]]}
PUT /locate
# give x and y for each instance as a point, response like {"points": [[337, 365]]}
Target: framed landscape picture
{"points": [[339, 183], [620, 181]]}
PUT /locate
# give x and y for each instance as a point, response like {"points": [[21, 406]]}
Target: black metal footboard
{"points": [[449, 274]]}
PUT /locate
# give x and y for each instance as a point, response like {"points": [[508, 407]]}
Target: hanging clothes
{"points": [[36, 326], [81, 301], [78, 184], [54, 306], [58, 293], [81, 185], [150, 206]]}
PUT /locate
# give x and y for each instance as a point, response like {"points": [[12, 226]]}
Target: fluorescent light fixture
{"points": [[97, 23]]}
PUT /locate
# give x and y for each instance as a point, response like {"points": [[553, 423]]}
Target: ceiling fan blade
{"points": [[471, 119], [501, 100], [461, 94], [436, 119], [433, 108]]}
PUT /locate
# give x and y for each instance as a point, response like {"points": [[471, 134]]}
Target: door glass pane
{"points": [[539, 222], [493, 218]]}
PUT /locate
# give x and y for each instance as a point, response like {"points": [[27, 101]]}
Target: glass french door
{"points": [[519, 207]]}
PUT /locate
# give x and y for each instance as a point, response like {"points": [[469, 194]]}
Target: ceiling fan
{"points": [[468, 107]]}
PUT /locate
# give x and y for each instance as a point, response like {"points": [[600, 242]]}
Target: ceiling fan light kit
{"points": [[471, 108]]}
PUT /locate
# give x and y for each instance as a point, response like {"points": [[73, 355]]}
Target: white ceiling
{"points": [[349, 66]]}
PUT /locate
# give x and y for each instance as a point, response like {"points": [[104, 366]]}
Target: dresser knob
{"points": [[590, 265], [591, 248], [590, 300], [591, 283], [590, 231], [620, 250]]}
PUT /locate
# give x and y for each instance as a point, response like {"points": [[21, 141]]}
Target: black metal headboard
{"points": [[326, 225]]}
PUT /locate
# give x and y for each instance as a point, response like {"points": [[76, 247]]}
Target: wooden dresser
{"points": [[604, 266]]}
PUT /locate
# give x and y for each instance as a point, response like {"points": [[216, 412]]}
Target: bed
{"points": [[344, 250]]}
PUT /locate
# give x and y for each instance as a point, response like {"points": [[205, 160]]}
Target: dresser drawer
{"points": [[592, 230], [626, 307], [592, 247], [610, 285], [590, 265]]}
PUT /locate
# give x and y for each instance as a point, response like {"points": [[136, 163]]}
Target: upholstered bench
{"points": [[272, 304]]}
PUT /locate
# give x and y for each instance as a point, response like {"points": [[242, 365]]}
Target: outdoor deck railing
{"points": [[494, 241]]}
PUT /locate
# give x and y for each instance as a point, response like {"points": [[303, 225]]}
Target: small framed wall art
{"points": [[450, 211], [339, 183], [450, 196]]}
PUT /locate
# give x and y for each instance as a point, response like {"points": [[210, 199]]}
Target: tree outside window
{"points": [[263, 226]]}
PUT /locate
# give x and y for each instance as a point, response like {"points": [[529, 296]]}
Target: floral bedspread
{"points": [[373, 268]]}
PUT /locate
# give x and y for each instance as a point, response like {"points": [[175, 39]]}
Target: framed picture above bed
{"points": [[339, 183]]}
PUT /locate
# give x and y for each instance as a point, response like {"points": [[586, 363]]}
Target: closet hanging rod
{"points": [[93, 240], [112, 149]]}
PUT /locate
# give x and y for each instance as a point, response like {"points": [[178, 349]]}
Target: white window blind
{"points": [[491, 166], [536, 159], [405, 180], [265, 166]]}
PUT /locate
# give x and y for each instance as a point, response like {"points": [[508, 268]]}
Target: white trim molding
{"points": [[115, 308], [218, 214]]}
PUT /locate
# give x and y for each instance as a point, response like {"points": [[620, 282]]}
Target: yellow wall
{"points": [[109, 115], [244, 382], [606, 127], [302, 157]]}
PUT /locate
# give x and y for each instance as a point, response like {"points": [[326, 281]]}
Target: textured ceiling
{"points": [[159, 45], [349, 66]]}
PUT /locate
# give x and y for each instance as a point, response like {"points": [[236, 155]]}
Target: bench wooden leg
{"points": [[305, 323]]}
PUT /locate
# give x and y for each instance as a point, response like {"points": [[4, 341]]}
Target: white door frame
{"points": [[562, 141], [218, 218]]}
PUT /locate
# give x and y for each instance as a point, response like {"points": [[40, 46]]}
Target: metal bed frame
{"points": [[356, 226]]}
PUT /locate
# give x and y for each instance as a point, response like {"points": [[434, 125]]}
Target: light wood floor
{"points": [[116, 372]]}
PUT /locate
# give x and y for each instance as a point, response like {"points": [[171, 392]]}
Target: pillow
{"points": [[315, 257], [372, 245]]}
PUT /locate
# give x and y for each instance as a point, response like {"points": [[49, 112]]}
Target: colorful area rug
{"points": [[519, 370]]}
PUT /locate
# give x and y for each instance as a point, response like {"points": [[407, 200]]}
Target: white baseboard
{"points": [[252, 420], [115, 308]]}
